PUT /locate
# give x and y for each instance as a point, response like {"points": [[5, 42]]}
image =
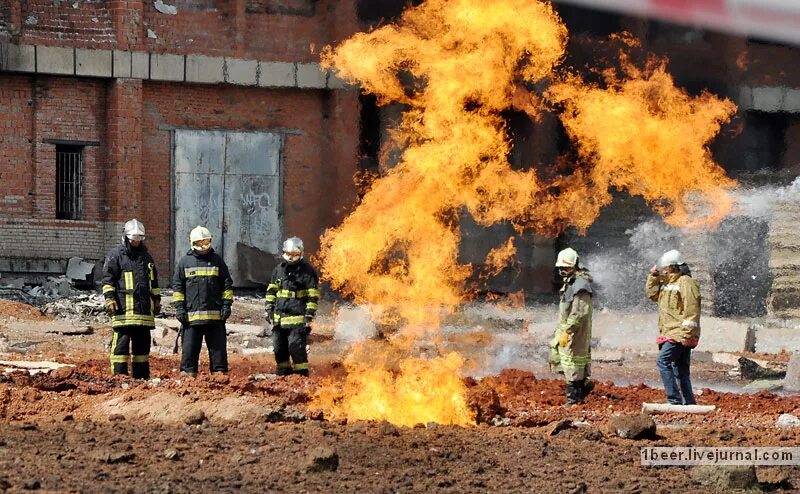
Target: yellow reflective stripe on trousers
{"points": [[119, 359], [227, 295], [302, 366], [155, 291], [134, 320], [205, 315], [290, 320], [140, 359], [574, 361], [201, 271], [178, 297], [273, 286], [111, 356], [129, 294], [312, 306], [313, 292], [108, 288], [270, 298]]}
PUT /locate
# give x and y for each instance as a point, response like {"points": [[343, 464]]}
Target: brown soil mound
{"points": [[9, 308]]}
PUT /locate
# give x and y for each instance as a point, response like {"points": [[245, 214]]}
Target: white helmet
{"points": [[197, 234], [293, 250], [671, 258], [134, 230], [567, 258]]}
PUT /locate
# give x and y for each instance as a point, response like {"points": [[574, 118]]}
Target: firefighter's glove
{"points": [[225, 312], [564, 341], [156, 306], [180, 314], [269, 313], [111, 307]]}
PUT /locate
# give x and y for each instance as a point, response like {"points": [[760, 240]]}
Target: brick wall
{"points": [[16, 145], [281, 30], [57, 239]]}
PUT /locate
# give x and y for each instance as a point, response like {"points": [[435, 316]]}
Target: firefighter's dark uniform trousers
{"points": [[203, 295], [130, 278], [293, 295]]}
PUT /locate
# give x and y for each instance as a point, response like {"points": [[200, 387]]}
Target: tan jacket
{"points": [[678, 297]]}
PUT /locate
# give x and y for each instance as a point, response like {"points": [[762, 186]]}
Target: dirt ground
{"points": [[80, 430]]}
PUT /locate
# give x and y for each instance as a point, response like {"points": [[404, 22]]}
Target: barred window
{"points": [[69, 182]]}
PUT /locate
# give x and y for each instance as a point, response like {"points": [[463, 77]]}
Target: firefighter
{"points": [[291, 303], [132, 298], [678, 295], [203, 296], [570, 348]]}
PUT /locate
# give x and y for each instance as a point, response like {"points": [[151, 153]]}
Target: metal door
{"points": [[230, 182]]}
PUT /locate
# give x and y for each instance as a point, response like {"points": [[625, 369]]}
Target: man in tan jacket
{"points": [[570, 348], [678, 297]]}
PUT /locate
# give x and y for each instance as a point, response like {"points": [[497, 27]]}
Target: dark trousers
{"points": [[133, 341], [290, 343], [674, 362], [216, 342]]}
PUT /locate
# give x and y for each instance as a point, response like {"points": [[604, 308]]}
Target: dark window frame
{"points": [[70, 181]]}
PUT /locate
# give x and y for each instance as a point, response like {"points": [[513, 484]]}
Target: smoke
{"points": [[732, 259]]}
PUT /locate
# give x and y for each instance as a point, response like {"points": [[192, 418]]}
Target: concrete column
{"points": [[126, 17], [124, 171]]}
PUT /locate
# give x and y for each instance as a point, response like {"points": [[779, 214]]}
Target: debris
{"points": [[386, 428], [751, 370], [560, 426], [763, 385], [164, 8], [773, 475], [195, 417], [77, 268], [13, 282], [787, 421], [322, 459], [115, 457], [151, 34], [116, 417], [792, 381], [499, 421], [33, 368], [73, 330], [87, 307], [31, 20], [633, 426], [725, 476], [172, 454], [670, 408]]}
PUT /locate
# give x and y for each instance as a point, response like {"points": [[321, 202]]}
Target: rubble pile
{"points": [[86, 307], [52, 288]]}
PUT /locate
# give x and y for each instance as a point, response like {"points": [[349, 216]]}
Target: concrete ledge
{"points": [[121, 63], [140, 65], [198, 69], [18, 58], [311, 75], [241, 72], [277, 74], [202, 69], [776, 340], [93, 63], [54, 60], [166, 67]]}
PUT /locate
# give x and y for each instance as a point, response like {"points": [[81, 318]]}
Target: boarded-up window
{"points": [[69, 182]]}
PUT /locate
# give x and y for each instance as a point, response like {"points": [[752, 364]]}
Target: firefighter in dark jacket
{"points": [[202, 295], [291, 303], [132, 298]]}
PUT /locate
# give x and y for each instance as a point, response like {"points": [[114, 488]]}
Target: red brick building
{"points": [[95, 94]]}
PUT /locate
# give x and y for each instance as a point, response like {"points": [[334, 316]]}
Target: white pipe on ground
{"points": [[669, 408]]}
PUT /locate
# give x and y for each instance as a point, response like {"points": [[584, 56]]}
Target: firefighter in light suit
{"points": [[570, 348], [132, 298]]}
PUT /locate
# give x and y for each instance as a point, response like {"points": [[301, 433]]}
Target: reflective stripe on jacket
{"points": [[293, 291], [130, 277], [202, 285], [678, 297]]}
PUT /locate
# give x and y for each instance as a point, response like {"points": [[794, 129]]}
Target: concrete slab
{"points": [[243, 329], [277, 74], [725, 335], [166, 67], [792, 380], [791, 100], [745, 98], [17, 58], [311, 76], [242, 72], [768, 99], [140, 65], [55, 60], [334, 82], [776, 340], [121, 63], [93, 63], [206, 70]]}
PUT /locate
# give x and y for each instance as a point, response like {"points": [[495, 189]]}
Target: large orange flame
{"points": [[457, 64]]}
